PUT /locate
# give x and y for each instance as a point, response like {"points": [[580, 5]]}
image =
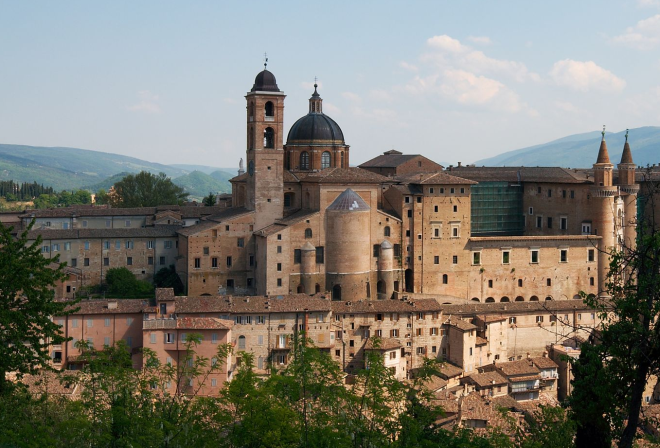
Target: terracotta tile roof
{"points": [[461, 324], [448, 370], [498, 308], [58, 383], [517, 379], [522, 173], [290, 177], [227, 213], [408, 188], [270, 230], [447, 401], [473, 407], [298, 216], [251, 304], [435, 383], [507, 402], [201, 323], [105, 306], [161, 231], [186, 211], [240, 178], [544, 363], [344, 176], [514, 368], [487, 379], [385, 344], [486, 318], [441, 178], [388, 160], [385, 306], [214, 220], [481, 341]]}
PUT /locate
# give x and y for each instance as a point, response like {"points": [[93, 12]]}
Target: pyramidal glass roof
{"points": [[349, 201]]}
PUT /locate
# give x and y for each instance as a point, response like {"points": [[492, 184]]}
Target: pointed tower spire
{"points": [[315, 102], [626, 157], [603, 155]]}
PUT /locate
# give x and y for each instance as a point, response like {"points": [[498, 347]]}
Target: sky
{"points": [[455, 81]]}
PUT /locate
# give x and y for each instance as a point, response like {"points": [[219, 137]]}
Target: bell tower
{"points": [[264, 152]]}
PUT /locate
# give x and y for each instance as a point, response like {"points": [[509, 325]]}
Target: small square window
{"points": [[206, 251]]}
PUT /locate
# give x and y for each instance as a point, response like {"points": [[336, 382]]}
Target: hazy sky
{"points": [[165, 81]]}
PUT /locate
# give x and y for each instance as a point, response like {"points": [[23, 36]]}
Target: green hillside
{"points": [[107, 183], [203, 168], [199, 184], [580, 150]]}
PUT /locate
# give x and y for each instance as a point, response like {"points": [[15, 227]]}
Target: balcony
{"points": [[159, 324]]}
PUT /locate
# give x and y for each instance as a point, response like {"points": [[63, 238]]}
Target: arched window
{"points": [[386, 231], [520, 299], [548, 298], [325, 160], [533, 299], [445, 279], [269, 138], [269, 109], [475, 299], [301, 289], [490, 300], [504, 299], [317, 288], [308, 233], [368, 290], [241, 342], [577, 297], [336, 292], [304, 160]]}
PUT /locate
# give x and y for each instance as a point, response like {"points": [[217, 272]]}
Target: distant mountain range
{"points": [[74, 168], [580, 150]]}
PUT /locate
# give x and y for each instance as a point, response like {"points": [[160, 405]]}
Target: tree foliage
{"points": [[168, 278], [146, 190], [209, 200], [26, 304], [123, 283]]}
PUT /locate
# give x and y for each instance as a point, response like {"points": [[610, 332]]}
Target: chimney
{"points": [[112, 305], [460, 164]]}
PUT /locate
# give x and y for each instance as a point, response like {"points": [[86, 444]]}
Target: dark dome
{"points": [[315, 129], [265, 82]]}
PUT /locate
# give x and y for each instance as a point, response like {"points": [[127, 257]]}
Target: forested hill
{"points": [[73, 168], [580, 150]]}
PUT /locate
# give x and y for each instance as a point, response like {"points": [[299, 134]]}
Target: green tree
{"points": [[27, 305], [209, 200], [101, 197], [146, 190], [123, 283], [613, 373], [168, 278]]}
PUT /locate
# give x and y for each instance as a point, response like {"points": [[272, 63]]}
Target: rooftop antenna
{"points": [[265, 60], [603, 132]]}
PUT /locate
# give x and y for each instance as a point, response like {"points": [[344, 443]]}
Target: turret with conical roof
{"points": [[628, 189], [627, 167], [603, 167]]}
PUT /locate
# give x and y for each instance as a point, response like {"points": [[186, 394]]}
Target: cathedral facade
{"points": [[304, 221]]}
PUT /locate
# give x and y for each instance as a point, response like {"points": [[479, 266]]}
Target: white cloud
{"points": [[407, 66], [351, 96], [449, 53], [645, 35], [566, 106], [380, 95], [446, 43], [480, 40], [148, 103], [585, 76], [468, 89], [331, 108]]}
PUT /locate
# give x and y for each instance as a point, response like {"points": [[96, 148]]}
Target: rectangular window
{"points": [[214, 338], [161, 261], [505, 257], [376, 250], [108, 223], [229, 261], [106, 322], [539, 222], [152, 338], [198, 263], [433, 331], [531, 210], [106, 261], [297, 256], [260, 339], [454, 231], [572, 194], [86, 262], [279, 282], [106, 341], [240, 242], [409, 213], [150, 261], [452, 190], [320, 257], [397, 250], [169, 339], [127, 223], [563, 193], [279, 249], [549, 193], [279, 267], [539, 319], [86, 245], [106, 245], [512, 320], [476, 258], [394, 333], [129, 244], [214, 262], [74, 262], [435, 209], [549, 222], [117, 245], [436, 259], [167, 244], [419, 199], [407, 200], [150, 244], [129, 261], [563, 255], [563, 223], [67, 246], [206, 250], [454, 259], [534, 256], [591, 254], [129, 321]]}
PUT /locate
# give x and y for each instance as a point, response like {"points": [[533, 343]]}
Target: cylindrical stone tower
{"points": [[348, 246], [385, 287], [629, 190], [308, 266]]}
